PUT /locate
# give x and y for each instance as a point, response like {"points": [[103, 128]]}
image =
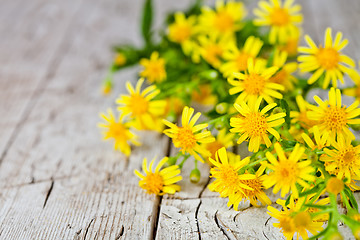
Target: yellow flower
{"points": [[154, 68], [301, 116], [159, 181], [254, 194], [288, 171], [142, 108], [182, 30], [227, 181], [344, 159], [283, 18], [119, 59], [204, 95], [237, 60], [320, 141], [334, 118], [225, 20], [354, 91], [187, 137], [284, 76], [253, 124], [327, 60], [255, 83], [119, 131], [223, 139], [334, 185], [212, 48], [293, 221], [291, 44]]}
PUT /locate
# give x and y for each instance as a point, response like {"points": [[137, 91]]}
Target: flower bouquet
{"points": [[254, 84]]}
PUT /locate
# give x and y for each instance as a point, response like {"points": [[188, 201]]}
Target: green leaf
{"points": [[322, 207], [147, 22], [352, 199], [285, 106], [287, 200], [317, 188]]}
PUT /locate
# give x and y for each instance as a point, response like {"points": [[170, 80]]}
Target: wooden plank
{"points": [[196, 208], [30, 46], [90, 191]]}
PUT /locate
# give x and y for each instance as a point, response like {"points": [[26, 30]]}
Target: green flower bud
{"points": [[221, 108], [195, 175]]}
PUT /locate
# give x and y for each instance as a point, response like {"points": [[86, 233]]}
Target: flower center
{"points": [[118, 131], [154, 183], [155, 68], [185, 138], [287, 224], [223, 21], [287, 172], [334, 185], [279, 77], [138, 105], [279, 17], [213, 147], [180, 32], [255, 124], [328, 58], [348, 157], [302, 219], [335, 118], [229, 176], [254, 84], [212, 53], [241, 61]]}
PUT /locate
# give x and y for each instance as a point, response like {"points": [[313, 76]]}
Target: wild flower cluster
{"points": [[255, 81]]}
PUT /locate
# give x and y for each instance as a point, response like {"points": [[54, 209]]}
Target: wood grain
{"points": [[57, 179]]}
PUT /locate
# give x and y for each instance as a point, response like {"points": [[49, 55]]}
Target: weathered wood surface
{"points": [[57, 180]]}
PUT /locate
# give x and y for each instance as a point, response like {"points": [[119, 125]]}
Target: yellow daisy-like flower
{"points": [[327, 60], [119, 131], [204, 95], [141, 107], [253, 124], [182, 30], [284, 76], [301, 116], [188, 137], [237, 60], [320, 141], [225, 20], [284, 18], [344, 159], [159, 181], [212, 48], [254, 195], [227, 181], [334, 118], [154, 68], [223, 139], [255, 83], [288, 171], [292, 221]]}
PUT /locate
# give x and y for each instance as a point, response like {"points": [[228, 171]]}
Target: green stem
{"points": [[184, 160], [218, 118]]}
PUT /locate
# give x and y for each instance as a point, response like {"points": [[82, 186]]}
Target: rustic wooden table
{"points": [[57, 179]]}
